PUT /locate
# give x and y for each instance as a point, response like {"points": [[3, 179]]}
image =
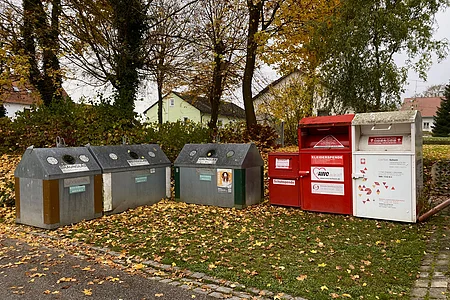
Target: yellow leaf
{"points": [[313, 251], [346, 295], [159, 295], [322, 265], [139, 266], [324, 287], [212, 266], [364, 284], [87, 292]]}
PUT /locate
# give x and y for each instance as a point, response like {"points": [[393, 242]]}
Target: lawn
{"points": [[313, 255]]}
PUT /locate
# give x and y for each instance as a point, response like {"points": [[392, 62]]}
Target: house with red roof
{"points": [[18, 97], [427, 107]]}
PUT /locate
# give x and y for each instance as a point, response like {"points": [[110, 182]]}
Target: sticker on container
{"points": [[222, 190], [74, 168], [207, 160], [282, 163], [283, 181], [113, 156], [224, 178], [84, 158], [77, 189], [336, 160], [327, 173], [51, 160], [140, 179], [138, 162], [385, 140], [76, 181], [327, 188], [329, 142], [205, 177]]}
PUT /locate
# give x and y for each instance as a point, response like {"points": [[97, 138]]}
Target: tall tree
{"points": [[287, 48], [261, 14], [218, 41], [105, 40], [166, 45], [358, 44], [442, 119], [40, 35]]}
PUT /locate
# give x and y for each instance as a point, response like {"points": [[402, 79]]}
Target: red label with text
{"points": [[385, 140]]}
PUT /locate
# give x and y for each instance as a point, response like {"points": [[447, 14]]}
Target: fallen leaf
{"points": [[159, 295], [322, 265], [302, 277], [87, 292], [324, 287]]}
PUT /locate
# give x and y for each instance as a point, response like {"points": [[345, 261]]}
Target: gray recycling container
{"points": [[57, 186], [133, 175], [226, 175]]}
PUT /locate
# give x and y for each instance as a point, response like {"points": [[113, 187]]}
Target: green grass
{"points": [[313, 255]]}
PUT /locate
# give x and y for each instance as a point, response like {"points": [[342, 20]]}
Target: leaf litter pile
{"points": [[284, 250]]}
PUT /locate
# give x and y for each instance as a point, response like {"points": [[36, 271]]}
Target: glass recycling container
{"points": [[387, 165], [325, 164], [133, 175], [284, 183], [57, 186], [225, 175]]}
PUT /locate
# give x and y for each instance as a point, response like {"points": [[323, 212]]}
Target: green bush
{"points": [[431, 140]]}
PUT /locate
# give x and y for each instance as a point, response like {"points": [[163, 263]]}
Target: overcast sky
{"points": [[440, 71]]}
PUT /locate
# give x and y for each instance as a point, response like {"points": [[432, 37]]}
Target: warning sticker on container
{"points": [[327, 173], [74, 168], [385, 140], [283, 181], [337, 160], [207, 160], [327, 188], [282, 163], [329, 142]]}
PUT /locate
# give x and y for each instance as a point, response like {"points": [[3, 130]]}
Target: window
{"points": [[426, 125], [171, 102], [322, 112]]}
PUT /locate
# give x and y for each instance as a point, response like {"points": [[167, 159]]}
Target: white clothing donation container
{"points": [[387, 165]]}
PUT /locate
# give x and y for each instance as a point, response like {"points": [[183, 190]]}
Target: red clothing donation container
{"points": [[284, 186], [325, 164]]}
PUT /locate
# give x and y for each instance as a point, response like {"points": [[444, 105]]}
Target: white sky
{"points": [[439, 73]]}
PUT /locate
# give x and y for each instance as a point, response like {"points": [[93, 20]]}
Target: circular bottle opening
{"points": [[133, 155], [68, 159]]}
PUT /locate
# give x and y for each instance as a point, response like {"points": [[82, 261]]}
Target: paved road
{"points": [[28, 272]]}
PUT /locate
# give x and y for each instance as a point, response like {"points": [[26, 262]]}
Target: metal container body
{"points": [[57, 186], [225, 175], [387, 165], [284, 184], [133, 175], [130, 189], [325, 164]]}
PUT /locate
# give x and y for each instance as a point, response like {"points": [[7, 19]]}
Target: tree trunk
{"points": [[160, 100], [216, 91], [250, 61], [49, 81]]}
